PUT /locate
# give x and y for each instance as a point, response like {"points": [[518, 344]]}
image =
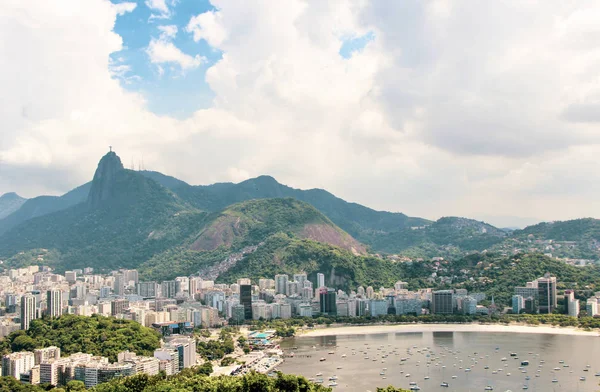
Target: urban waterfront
{"points": [[467, 361]]}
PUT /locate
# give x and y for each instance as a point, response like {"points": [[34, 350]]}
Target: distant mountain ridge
{"points": [[128, 220], [9, 203], [166, 227]]}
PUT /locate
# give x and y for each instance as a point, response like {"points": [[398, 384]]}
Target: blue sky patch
{"points": [[171, 91], [355, 44]]}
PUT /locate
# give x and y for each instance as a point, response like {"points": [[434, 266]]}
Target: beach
{"points": [[404, 328]]}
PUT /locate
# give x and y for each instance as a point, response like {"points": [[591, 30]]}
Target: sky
{"points": [[484, 109]]}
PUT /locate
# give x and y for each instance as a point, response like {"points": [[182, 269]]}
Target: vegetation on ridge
{"points": [[97, 335]]}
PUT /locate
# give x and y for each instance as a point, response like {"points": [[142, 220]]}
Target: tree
{"points": [[75, 385]]}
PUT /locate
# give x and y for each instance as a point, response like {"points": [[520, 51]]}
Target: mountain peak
{"points": [[10, 196], [104, 178]]}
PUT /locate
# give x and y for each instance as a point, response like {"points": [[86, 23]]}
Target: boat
{"points": [[444, 384], [319, 374], [554, 380], [524, 363], [343, 355], [513, 354], [332, 384], [319, 381], [333, 378], [322, 359], [426, 378], [415, 388], [454, 377], [581, 378], [489, 388], [597, 374], [339, 367], [407, 375], [331, 352], [525, 387], [382, 373]]}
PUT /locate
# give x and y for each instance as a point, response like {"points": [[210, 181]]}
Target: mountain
{"points": [[252, 221], [359, 221], [240, 229], [573, 239], [125, 219], [130, 220], [9, 203], [43, 205], [456, 233], [573, 230]]}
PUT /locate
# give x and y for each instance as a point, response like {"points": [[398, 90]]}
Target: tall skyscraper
{"points": [[54, 303], [119, 285], [168, 289], [547, 294], [442, 302], [320, 280], [27, 310], [146, 289], [246, 300], [328, 301], [281, 284]]}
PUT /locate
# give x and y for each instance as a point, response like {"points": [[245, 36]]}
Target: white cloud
{"points": [[168, 32], [163, 51], [455, 108], [161, 7], [123, 8], [207, 26]]}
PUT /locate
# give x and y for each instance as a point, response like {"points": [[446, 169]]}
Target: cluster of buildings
{"points": [[540, 296], [28, 293], [286, 297], [189, 302], [46, 365]]}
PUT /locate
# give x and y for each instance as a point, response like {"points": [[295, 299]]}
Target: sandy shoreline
{"points": [[513, 328]]}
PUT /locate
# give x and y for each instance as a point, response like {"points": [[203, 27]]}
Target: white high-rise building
{"points": [[572, 303], [16, 364], [320, 280], [119, 285], [281, 284], [28, 311], [54, 303]]}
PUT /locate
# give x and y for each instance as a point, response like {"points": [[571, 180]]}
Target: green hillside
{"points": [[247, 224], [283, 254], [573, 230], [96, 335], [357, 220], [428, 241]]}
